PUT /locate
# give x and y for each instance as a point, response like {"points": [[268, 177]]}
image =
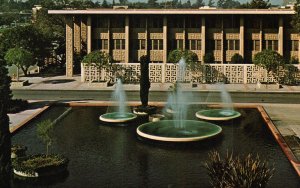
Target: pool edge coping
{"points": [[280, 140], [27, 120]]}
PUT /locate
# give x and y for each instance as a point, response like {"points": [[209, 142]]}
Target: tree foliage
{"points": [[257, 4], [98, 58], [5, 141], [228, 4], [268, 59], [20, 57], [237, 59], [26, 37], [190, 57], [45, 133], [296, 17], [209, 58]]}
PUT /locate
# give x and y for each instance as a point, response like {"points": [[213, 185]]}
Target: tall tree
{"points": [[5, 141], [198, 3], [211, 3], [257, 4], [123, 2], [296, 17], [105, 4], [152, 4], [26, 37], [228, 4]]}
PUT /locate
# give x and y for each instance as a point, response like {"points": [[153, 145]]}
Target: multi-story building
{"points": [[127, 34]]}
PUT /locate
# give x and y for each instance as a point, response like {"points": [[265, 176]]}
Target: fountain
{"points": [[179, 129], [224, 114], [121, 115]]}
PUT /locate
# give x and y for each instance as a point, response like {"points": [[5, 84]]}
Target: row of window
{"points": [[157, 44]]}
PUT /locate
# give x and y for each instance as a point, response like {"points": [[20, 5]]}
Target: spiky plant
{"points": [[246, 172]]}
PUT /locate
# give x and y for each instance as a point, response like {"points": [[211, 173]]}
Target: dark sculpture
{"points": [[144, 80]]}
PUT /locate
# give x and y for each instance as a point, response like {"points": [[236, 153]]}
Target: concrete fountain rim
{"points": [[178, 139], [215, 118], [120, 120]]}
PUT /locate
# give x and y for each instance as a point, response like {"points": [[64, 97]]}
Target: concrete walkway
{"points": [[74, 83]]}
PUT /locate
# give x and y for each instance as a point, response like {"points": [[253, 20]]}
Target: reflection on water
{"points": [[111, 156]]}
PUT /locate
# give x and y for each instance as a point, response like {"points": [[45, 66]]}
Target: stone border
{"points": [[17, 127], [280, 140]]}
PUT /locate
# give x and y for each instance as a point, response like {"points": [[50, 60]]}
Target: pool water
{"points": [[106, 155]]}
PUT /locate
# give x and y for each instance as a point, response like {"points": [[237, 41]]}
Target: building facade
{"points": [[127, 34]]}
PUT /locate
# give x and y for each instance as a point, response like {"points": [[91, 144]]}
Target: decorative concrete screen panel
{"points": [[209, 73]]}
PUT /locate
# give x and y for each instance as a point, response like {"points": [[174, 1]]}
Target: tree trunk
{"points": [[25, 69]]}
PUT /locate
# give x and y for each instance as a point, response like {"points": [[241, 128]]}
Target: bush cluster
{"points": [[39, 163], [17, 105]]}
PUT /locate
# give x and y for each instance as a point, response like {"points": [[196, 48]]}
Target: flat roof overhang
{"points": [[175, 11]]}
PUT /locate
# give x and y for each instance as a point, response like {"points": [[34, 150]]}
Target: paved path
{"points": [[73, 83]]}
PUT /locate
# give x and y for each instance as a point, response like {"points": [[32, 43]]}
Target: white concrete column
{"points": [[69, 46], [89, 34], [242, 36], [280, 36], [127, 39], [165, 49], [82, 72], [203, 37]]}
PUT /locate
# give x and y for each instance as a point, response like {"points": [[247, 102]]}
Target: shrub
{"points": [[209, 58], [17, 105], [248, 172], [294, 60], [40, 163], [237, 59], [190, 58]]}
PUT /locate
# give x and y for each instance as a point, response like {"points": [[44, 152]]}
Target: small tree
{"points": [[190, 57], [99, 59], [23, 59], [237, 59], [144, 80], [269, 60], [45, 133], [209, 58]]}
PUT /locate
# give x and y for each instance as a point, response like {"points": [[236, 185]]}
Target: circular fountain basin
{"points": [[166, 131], [217, 114], [116, 117]]}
